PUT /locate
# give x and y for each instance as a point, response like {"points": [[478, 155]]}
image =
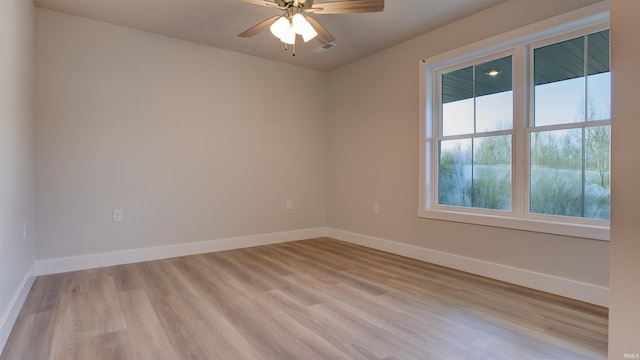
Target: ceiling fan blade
{"points": [[324, 36], [262, 3], [259, 27], [349, 7]]}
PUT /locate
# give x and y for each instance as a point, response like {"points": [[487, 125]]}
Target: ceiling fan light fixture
{"points": [[280, 27], [298, 22], [303, 27], [309, 35], [289, 36], [293, 22]]}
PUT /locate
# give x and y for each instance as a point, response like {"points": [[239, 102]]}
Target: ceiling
{"points": [[218, 22]]}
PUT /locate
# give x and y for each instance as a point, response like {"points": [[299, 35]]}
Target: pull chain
{"points": [[286, 48]]}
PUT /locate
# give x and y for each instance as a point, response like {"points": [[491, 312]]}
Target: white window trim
{"points": [[593, 16]]}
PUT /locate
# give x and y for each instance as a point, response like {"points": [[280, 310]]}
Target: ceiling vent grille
{"points": [[324, 47]]}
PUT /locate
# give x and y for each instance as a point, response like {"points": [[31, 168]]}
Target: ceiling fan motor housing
{"points": [[303, 4]]}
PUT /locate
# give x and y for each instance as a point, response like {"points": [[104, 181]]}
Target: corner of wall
{"points": [[10, 314]]}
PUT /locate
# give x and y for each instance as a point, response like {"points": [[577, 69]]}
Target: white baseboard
{"points": [[10, 314], [82, 262], [589, 293]]}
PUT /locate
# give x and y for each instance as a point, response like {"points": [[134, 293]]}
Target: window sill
{"points": [[587, 231]]}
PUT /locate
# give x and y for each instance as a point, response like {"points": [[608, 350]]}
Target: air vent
{"points": [[324, 47]]}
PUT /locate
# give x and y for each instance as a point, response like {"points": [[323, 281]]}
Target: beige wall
{"points": [[154, 126], [193, 143], [373, 156], [16, 154], [624, 315]]}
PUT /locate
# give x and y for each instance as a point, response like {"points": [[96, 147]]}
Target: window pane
{"points": [[597, 188], [599, 80], [483, 183], [556, 172], [599, 104], [559, 83], [454, 172], [457, 102], [457, 117], [494, 95], [491, 187], [494, 112]]}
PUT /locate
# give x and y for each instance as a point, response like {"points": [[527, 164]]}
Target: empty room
{"points": [[308, 179]]}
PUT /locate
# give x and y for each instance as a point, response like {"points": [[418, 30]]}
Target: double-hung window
{"points": [[517, 134], [474, 135]]}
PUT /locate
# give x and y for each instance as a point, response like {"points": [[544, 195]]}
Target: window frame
{"points": [[437, 114], [519, 44]]}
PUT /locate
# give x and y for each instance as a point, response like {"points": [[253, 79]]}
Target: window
{"points": [[474, 136], [517, 134], [569, 136]]}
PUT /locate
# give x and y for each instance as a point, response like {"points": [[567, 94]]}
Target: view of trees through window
{"points": [[569, 143], [475, 150], [568, 135]]}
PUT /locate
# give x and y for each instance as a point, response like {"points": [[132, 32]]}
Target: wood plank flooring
{"points": [[312, 299]]}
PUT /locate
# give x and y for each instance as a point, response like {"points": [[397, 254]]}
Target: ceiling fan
{"points": [[293, 22]]}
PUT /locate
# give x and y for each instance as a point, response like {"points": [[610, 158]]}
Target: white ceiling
{"points": [[218, 22]]}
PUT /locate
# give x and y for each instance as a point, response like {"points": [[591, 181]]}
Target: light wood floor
{"points": [[313, 299]]}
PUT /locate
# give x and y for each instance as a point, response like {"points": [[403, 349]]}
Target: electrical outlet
{"points": [[376, 208], [289, 204], [118, 216]]}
